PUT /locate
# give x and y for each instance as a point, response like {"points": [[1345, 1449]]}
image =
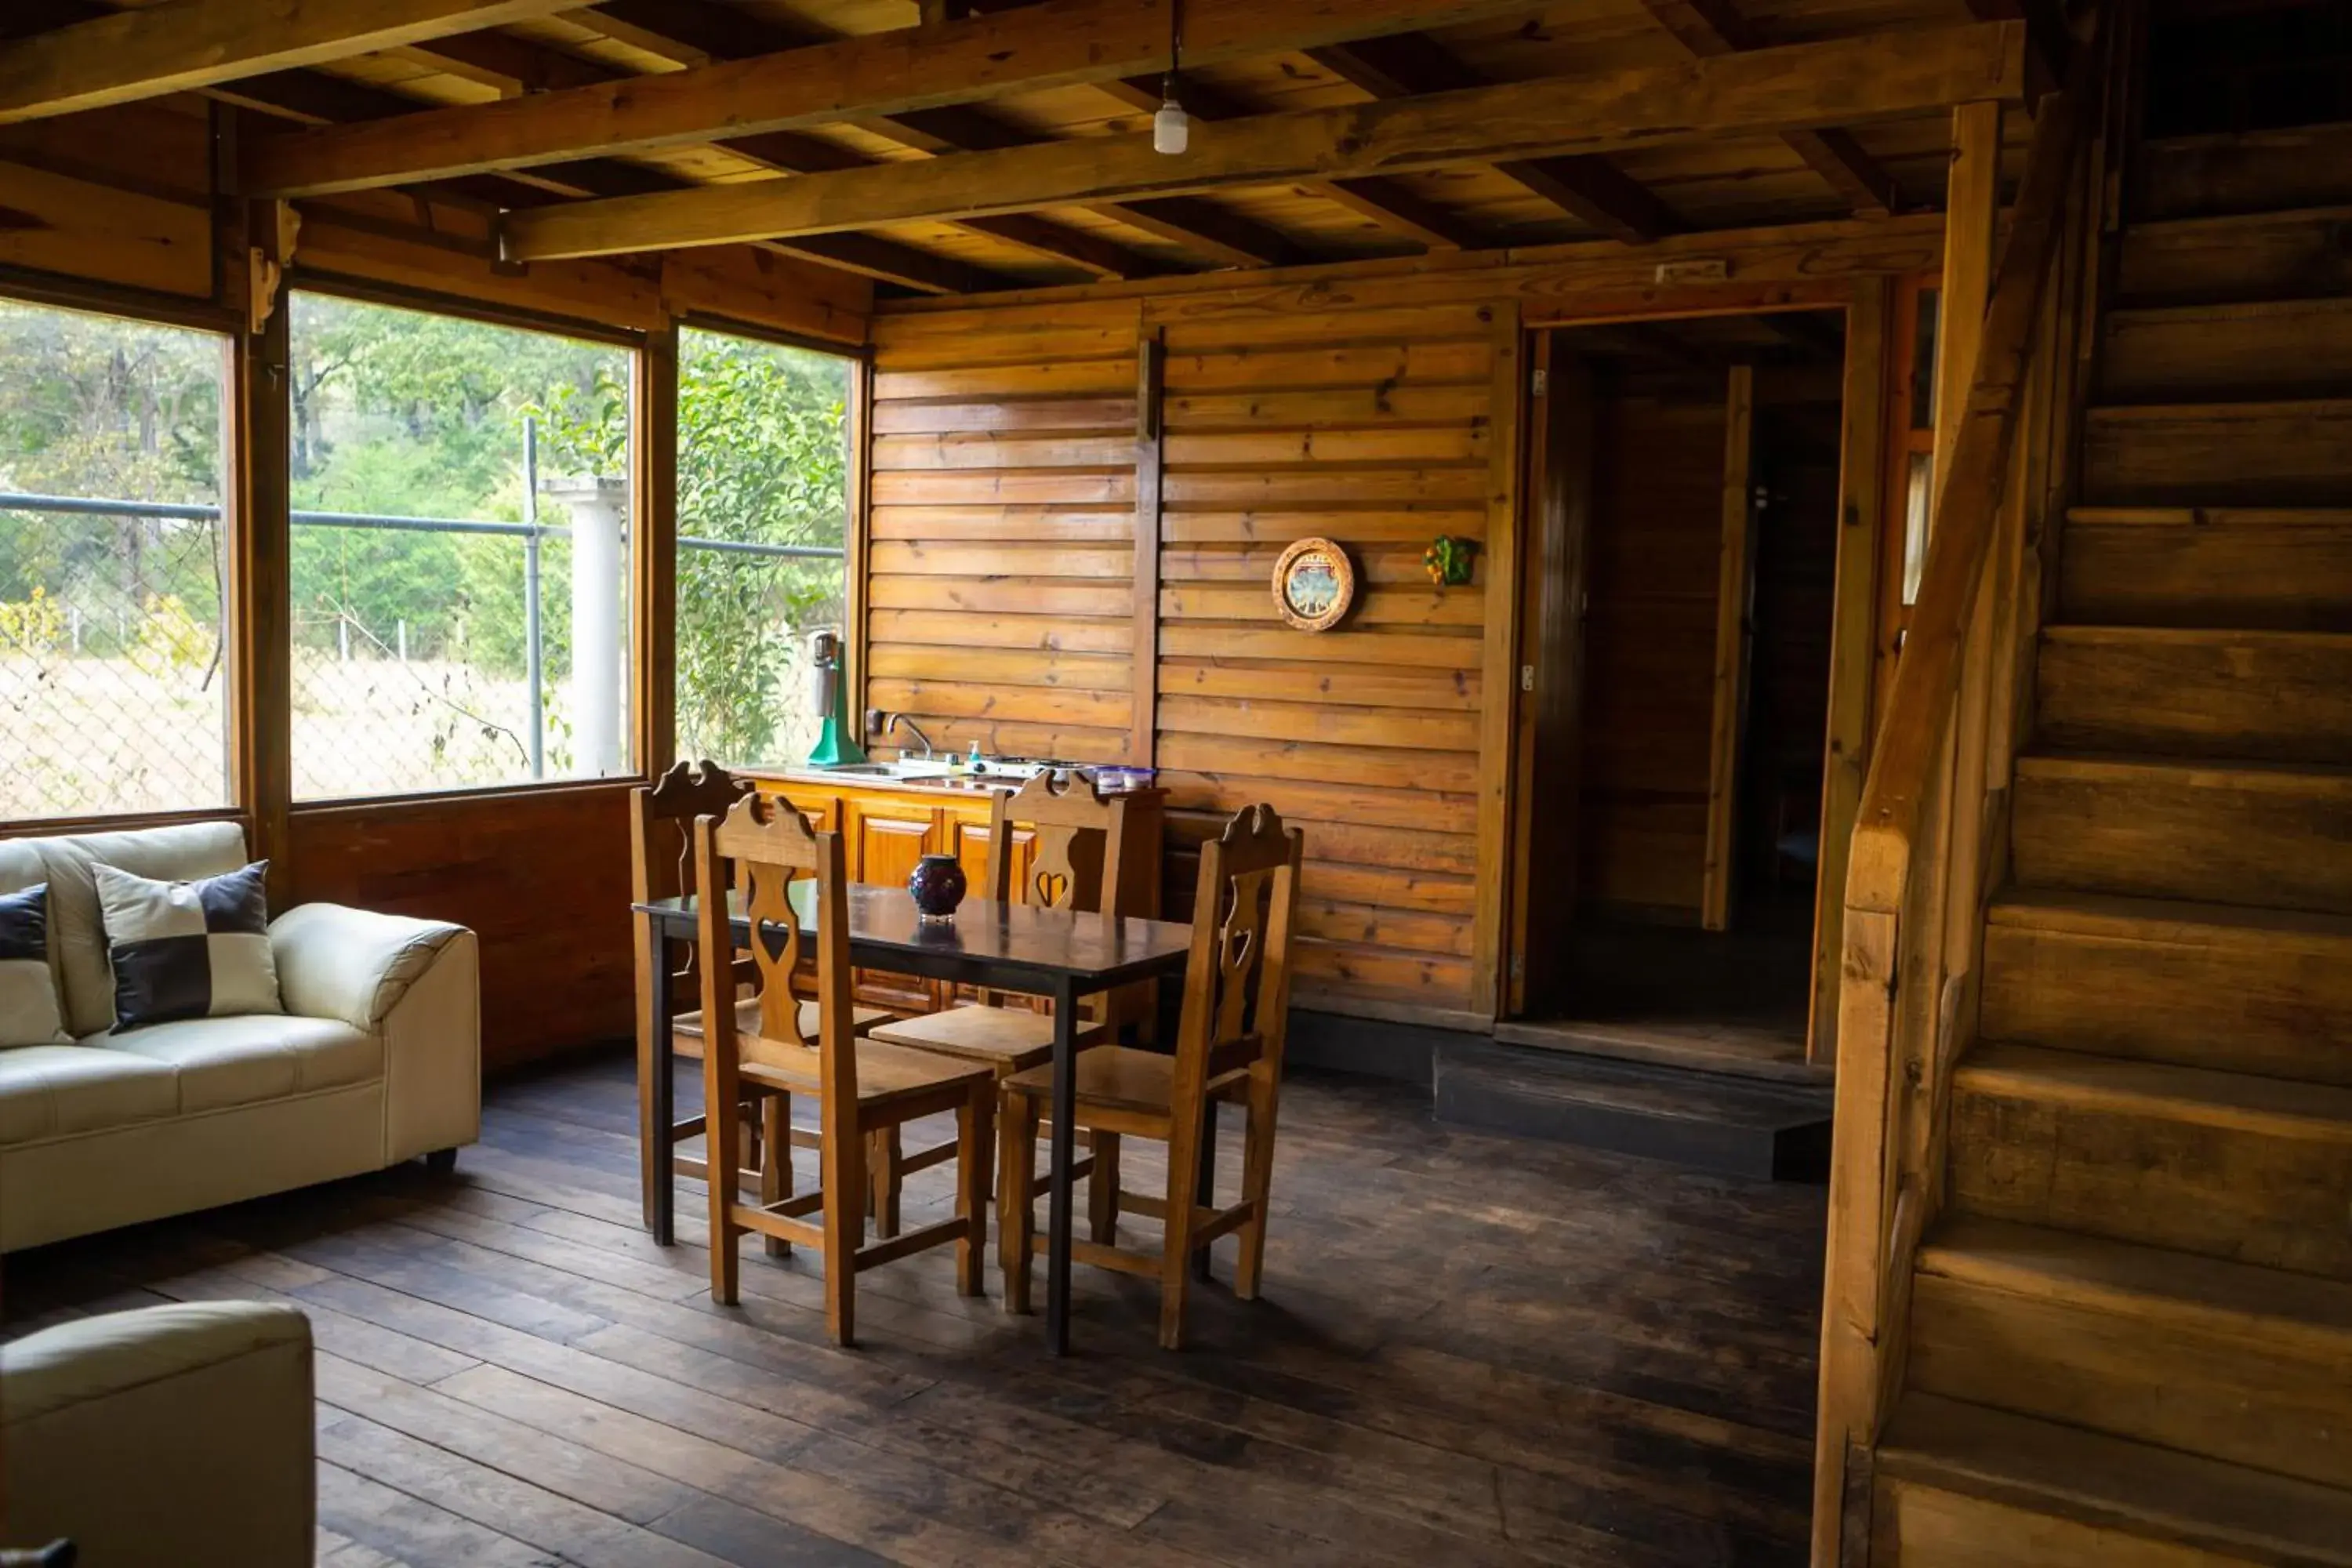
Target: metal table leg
{"points": [[663, 1196], [1065, 1143]]}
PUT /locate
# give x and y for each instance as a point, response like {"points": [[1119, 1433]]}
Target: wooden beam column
{"points": [[1498, 663], [653, 462], [1862, 498], [1971, 212], [1150, 439], [254, 253], [1735, 567]]}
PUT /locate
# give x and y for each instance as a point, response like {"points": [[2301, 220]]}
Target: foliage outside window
{"points": [[113, 673], [424, 450], [763, 460]]}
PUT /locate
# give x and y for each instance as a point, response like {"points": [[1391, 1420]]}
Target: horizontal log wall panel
{"points": [[955, 629], [1360, 686], [1372, 428], [1077, 525], [542, 877], [1277, 528], [1000, 556]]}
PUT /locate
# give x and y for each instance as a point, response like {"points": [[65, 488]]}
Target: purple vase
{"points": [[937, 885]]}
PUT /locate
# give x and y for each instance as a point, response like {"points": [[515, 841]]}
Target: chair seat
{"points": [[1117, 1078], [885, 1072], [687, 1026], [1008, 1038]]}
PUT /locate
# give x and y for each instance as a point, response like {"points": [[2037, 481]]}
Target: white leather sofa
{"points": [[376, 1059], [179, 1435]]}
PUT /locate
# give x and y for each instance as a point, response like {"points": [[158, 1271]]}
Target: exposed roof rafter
{"points": [[1801, 87]]}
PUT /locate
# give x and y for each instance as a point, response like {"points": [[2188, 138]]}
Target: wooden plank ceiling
{"points": [[513, 106]]}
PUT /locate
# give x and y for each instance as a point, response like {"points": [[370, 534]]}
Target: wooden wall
{"points": [[1005, 603], [1001, 543], [541, 876], [1374, 428], [1649, 688]]}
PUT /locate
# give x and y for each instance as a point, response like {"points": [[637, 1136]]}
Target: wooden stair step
{"points": [[2210, 1357], [2262, 835], [2272, 453], [2252, 1169], [2267, 992], [2249, 567], [2266, 349], [2243, 172], [1968, 1486], [2191, 691], [2301, 253]]}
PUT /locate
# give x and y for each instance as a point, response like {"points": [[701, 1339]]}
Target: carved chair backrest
{"points": [[661, 843], [1237, 982], [763, 848], [1079, 859]]}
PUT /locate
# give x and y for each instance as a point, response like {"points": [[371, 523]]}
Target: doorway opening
{"points": [[1682, 585]]}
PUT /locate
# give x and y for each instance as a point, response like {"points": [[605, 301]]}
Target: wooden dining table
{"points": [[1063, 954]]}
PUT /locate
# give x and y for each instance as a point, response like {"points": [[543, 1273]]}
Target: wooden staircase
{"points": [[2130, 1333]]}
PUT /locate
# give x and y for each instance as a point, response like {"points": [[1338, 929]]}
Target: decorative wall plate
{"points": [[1314, 585]]}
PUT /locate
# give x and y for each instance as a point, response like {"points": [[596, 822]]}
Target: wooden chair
{"points": [[661, 865], [862, 1087], [1228, 1047], [1080, 858]]}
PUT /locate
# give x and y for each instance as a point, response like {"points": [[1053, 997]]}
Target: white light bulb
{"points": [[1171, 129]]}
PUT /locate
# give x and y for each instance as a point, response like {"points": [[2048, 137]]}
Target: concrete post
{"points": [[599, 570]]}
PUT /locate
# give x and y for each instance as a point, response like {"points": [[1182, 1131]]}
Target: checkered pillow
{"points": [[28, 991], [187, 949]]}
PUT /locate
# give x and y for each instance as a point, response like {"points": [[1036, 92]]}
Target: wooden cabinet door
{"points": [[969, 838], [885, 839]]}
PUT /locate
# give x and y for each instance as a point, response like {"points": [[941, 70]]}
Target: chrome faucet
{"points": [[892, 728]]}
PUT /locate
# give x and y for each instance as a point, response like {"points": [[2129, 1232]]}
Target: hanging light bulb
{"points": [[1171, 128]]}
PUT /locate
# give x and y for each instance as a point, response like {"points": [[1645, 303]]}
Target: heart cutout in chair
{"points": [[1052, 887], [1237, 949]]}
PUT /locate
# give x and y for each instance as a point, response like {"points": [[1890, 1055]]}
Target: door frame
{"points": [[1548, 733]]}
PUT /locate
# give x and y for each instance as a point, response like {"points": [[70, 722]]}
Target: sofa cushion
{"points": [[28, 986], [222, 1062], [187, 949], [50, 1091], [179, 853]]}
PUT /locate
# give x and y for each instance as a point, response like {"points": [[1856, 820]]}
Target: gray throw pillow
{"points": [[28, 987], [187, 949]]}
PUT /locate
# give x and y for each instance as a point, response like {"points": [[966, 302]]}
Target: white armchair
{"points": [[177, 1434]]}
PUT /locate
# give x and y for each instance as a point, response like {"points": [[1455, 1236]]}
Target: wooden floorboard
{"points": [[1471, 1350]]}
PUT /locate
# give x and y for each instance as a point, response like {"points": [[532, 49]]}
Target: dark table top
{"points": [[986, 941]]}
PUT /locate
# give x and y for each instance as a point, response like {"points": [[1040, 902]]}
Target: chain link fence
{"points": [[115, 701]]}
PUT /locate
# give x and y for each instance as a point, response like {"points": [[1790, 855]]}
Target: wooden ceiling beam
{"points": [[1225, 239], [190, 44], [1591, 189], [790, 151], [1842, 82], [1053, 44], [1708, 28], [1384, 202]]}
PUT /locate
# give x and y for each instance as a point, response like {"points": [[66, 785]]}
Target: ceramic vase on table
{"points": [[938, 886]]}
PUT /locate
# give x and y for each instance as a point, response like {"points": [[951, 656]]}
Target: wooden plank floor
{"points": [[1473, 1351]]}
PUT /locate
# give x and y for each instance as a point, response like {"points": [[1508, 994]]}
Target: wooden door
{"points": [[885, 839]]}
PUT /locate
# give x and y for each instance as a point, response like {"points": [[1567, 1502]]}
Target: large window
{"points": [[762, 515], [460, 553], [113, 677]]}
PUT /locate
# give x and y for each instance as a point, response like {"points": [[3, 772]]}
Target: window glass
{"points": [[459, 577], [113, 575], [762, 516]]}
